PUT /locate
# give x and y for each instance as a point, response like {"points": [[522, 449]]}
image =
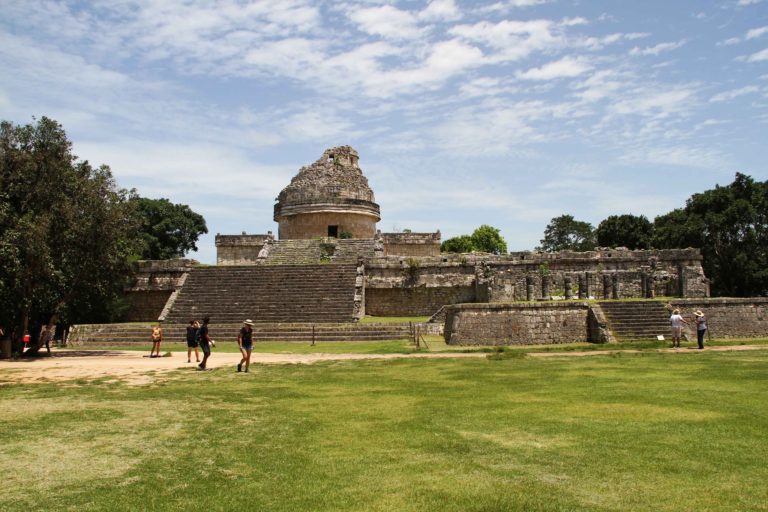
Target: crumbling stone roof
{"points": [[335, 176]]}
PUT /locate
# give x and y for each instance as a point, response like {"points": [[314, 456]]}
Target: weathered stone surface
{"points": [[729, 317], [410, 244], [517, 324], [331, 197], [240, 249]]}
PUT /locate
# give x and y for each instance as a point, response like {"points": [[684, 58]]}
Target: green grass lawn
{"points": [[629, 432]]}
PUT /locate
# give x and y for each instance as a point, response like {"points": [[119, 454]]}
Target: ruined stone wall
{"points": [[154, 281], [410, 244], [240, 249], [729, 317], [517, 324], [420, 301], [315, 224], [145, 306], [533, 276], [413, 287]]}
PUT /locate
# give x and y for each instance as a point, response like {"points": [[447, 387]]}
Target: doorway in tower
{"points": [[333, 231]]}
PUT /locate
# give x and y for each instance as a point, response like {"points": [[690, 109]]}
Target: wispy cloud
{"points": [[567, 67], [733, 94], [657, 49]]}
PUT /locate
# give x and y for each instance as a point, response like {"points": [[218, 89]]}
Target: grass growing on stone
{"points": [[393, 319], [637, 432]]}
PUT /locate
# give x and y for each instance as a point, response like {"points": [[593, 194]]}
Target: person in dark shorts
{"points": [[205, 343], [192, 328], [245, 343]]}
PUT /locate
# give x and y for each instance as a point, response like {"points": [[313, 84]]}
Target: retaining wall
{"points": [[729, 317], [517, 324]]}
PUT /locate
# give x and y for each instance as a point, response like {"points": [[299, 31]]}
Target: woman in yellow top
{"points": [[157, 337]]}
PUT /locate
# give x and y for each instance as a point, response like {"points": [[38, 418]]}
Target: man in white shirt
{"points": [[677, 322]]}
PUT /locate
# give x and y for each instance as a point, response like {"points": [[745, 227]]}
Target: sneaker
{"points": [[240, 368], [246, 370]]}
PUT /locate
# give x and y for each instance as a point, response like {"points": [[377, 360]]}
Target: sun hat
{"points": [[248, 322], [676, 312], [698, 313]]}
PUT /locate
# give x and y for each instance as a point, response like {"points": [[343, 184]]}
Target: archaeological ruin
{"points": [[329, 266]]}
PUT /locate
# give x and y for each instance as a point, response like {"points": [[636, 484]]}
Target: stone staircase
{"points": [[640, 320], [267, 293], [120, 334], [326, 250]]}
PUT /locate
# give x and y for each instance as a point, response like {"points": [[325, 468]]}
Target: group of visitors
{"points": [[677, 322], [199, 337]]}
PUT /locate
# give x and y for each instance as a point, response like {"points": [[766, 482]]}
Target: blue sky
{"points": [[501, 112]]}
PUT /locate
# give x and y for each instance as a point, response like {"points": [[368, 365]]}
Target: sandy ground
{"points": [[135, 368]]}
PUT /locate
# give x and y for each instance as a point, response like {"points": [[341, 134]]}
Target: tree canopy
{"points": [[630, 231], [484, 239], [167, 230], [66, 230], [564, 233], [730, 225]]}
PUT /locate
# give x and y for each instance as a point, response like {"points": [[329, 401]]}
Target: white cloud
{"points": [[440, 10], [656, 50], [757, 32], [511, 40], [387, 21], [729, 95], [759, 56], [647, 101], [749, 2], [729, 42], [567, 67]]}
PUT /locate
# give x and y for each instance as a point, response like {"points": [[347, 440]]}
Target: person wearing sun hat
{"points": [[245, 343], [701, 327]]}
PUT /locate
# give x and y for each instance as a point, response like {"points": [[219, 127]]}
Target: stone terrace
{"points": [[268, 293]]}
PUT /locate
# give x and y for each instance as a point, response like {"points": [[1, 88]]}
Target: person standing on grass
{"points": [[46, 337], [192, 340], [701, 327], [677, 322], [205, 342], [245, 342], [157, 337]]}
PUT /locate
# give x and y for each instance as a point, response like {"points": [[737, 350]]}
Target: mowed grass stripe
{"points": [[633, 432]]}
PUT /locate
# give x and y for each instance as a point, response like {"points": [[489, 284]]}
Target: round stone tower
{"points": [[331, 197]]}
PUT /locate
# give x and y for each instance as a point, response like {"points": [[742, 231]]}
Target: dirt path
{"points": [[135, 368]]}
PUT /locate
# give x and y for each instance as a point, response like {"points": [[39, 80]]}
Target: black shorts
{"points": [[248, 346], [192, 344], [206, 347]]}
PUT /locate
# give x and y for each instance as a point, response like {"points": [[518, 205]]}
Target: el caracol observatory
{"points": [[329, 198]]}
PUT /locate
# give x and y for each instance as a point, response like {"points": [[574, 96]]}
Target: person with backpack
{"points": [[192, 343], [204, 339]]}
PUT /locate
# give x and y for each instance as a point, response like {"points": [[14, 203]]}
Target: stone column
{"points": [[606, 286], [567, 284], [615, 286], [650, 291], [529, 288], [545, 287], [583, 287]]}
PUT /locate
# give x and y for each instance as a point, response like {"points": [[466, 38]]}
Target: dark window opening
{"points": [[333, 231]]}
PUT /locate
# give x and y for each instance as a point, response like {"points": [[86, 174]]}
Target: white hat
{"points": [[248, 322]]}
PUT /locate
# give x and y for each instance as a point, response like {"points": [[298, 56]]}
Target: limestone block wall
{"points": [[419, 301], [410, 244], [240, 249], [517, 324], [154, 281], [729, 317], [315, 224]]}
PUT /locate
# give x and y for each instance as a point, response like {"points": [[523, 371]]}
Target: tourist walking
{"points": [[205, 343], [677, 322], [245, 342], [701, 327], [46, 337], [192, 328], [157, 337]]}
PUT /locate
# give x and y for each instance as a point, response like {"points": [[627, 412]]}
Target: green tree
{"points": [[630, 231], [484, 239], [461, 243], [565, 233], [488, 239], [66, 230], [167, 230], [730, 225]]}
